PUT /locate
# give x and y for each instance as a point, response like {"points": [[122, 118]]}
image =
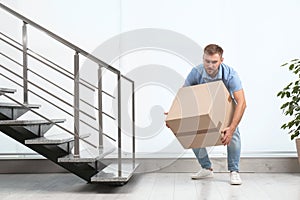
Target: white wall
{"points": [[257, 36]]}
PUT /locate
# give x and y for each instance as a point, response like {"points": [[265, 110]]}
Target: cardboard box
{"points": [[199, 113]]}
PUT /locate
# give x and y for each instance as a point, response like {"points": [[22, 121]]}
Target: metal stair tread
{"points": [[13, 105], [7, 90], [51, 139], [29, 122], [54, 139], [111, 174], [86, 155]]}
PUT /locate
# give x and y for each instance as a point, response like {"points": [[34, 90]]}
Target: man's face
{"points": [[211, 64]]}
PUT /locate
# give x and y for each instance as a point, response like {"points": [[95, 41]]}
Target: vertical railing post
{"points": [[25, 63], [133, 125], [76, 105], [100, 107], [119, 127]]}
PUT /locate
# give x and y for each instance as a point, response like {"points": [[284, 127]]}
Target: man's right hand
{"points": [[166, 113]]}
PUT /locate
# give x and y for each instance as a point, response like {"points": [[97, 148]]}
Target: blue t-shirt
{"points": [[229, 76]]}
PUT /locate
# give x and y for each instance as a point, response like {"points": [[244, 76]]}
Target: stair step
{"points": [[36, 127], [54, 139], [11, 111], [14, 105], [51, 139], [7, 90], [111, 173], [86, 155], [29, 122]]}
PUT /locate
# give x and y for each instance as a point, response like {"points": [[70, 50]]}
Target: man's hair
{"points": [[212, 49]]}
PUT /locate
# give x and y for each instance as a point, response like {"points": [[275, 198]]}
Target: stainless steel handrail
{"points": [[65, 73], [53, 104], [40, 88], [50, 101], [56, 106], [19, 64], [75, 77], [60, 39]]}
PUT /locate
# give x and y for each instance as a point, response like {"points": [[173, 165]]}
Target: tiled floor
{"points": [[156, 186]]}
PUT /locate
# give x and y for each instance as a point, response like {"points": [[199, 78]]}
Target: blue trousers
{"points": [[233, 154]]}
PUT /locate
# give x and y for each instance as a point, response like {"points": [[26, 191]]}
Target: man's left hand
{"points": [[227, 135]]}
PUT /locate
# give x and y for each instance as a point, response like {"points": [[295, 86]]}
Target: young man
{"points": [[214, 69]]}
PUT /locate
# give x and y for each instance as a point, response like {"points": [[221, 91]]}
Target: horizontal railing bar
{"points": [[57, 107], [38, 95], [106, 135], [60, 71], [97, 109], [11, 44], [15, 41], [49, 120], [97, 130], [34, 57], [50, 103], [60, 99], [82, 80], [96, 88], [60, 39], [90, 85], [109, 115], [39, 55], [56, 65], [11, 59], [37, 75], [108, 94], [54, 105], [35, 85], [50, 82]]}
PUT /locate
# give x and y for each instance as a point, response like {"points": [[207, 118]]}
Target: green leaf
{"points": [[297, 66], [295, 90], [295, 99], [284, 105], [279, 93], [291, 67], [291, 131], [283, 126], [290, 124], [284, 64], [292, 137], [288, 86]]}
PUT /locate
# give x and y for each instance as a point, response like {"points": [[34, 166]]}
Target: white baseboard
{"points": [[184, 165]]}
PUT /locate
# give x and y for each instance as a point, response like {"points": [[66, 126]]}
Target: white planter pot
{"points": [[298, 148]]}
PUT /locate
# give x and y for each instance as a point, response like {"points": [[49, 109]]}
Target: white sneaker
{"points": [[235, 178], [203, 173]]}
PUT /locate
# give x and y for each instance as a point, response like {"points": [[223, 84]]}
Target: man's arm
{"points": [[237, 116]]}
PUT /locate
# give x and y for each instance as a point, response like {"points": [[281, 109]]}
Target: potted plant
{"points": [[291, 108]]}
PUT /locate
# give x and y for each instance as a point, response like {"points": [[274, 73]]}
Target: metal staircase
{"points": [[64, 141]]}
